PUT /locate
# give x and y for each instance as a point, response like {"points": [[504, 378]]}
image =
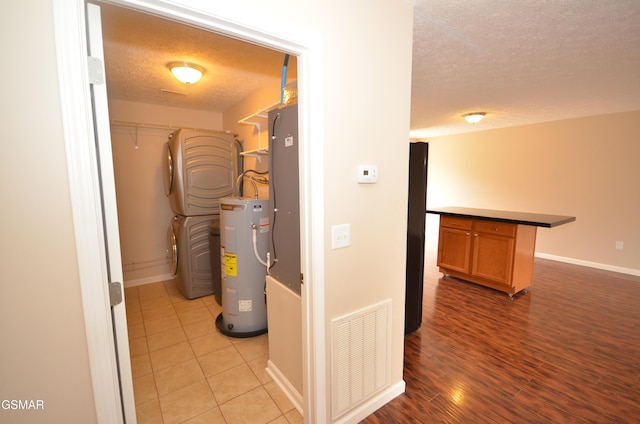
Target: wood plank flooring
{"points": [[566, 352]]}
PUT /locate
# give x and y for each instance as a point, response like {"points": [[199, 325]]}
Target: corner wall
{"points": [[255, 137], [144, 213], [43, 353], [361, 107], [586, 167]]}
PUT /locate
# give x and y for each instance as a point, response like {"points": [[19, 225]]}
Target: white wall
{"points": [[254, 137], [144, 213], [585, 167], [43, 347], [366, 57], [360, 61]]}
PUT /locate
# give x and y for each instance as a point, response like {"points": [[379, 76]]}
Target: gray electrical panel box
{"points": [[284, 198]]}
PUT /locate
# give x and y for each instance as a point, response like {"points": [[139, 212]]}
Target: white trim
{"points": [[589, 264], [111, 228], [147, 280], [70, 15], [364, 410], [285, 385], [311, 180], [77, 121]]}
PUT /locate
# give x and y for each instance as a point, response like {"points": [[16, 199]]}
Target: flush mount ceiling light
{"points": [[185, 72], [475, 117]]}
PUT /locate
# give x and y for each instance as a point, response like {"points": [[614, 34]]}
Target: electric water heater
{"points": [[244, 243]]}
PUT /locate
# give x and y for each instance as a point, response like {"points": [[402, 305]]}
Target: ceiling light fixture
{"points": [[185, 72], [475, 117]]}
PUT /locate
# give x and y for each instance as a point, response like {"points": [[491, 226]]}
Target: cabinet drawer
{"points": [[493, 227], [453, 222]]}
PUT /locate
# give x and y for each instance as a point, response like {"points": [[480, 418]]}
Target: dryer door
{"points": [[173, 250], [169, 170]]}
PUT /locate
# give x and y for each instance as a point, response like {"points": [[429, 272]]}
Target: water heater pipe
{"points": [[284, 78], [254, 230], [240, 183]]}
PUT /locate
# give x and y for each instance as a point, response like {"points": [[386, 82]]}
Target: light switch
{"points": [[340, 236]]}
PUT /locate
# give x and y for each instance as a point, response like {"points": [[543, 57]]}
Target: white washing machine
{"points": [[191, 255], [200, 168]]}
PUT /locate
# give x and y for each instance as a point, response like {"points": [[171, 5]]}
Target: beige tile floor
{"points": [[186, 371]]}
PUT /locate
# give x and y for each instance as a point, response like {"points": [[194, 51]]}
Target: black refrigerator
{"points": [[416, 220]]}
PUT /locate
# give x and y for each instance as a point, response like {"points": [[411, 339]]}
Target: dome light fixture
{"points": [[185, 72], [474, 117]]}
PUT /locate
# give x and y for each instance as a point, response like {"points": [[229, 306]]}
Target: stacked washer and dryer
{"points": [[218, 241], [200, 168]]}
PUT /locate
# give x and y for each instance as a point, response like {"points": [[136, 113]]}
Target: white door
{"points": [[109, 207]]}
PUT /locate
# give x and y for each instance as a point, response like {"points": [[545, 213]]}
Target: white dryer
{"points": [[191, 255], [200, 168]]}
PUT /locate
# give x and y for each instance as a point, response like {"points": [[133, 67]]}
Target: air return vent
{"points": [[360, 361]]}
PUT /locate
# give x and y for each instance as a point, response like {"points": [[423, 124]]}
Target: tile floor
{"points": [[186, 371]]}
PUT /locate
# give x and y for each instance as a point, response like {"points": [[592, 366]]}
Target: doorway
{"points": [[147, 105], [144, 42], [69, 21]]}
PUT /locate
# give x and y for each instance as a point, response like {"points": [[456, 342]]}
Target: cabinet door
{"points": [[492, 257], [454, 249]]}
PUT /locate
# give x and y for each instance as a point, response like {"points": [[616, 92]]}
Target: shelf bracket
{"points": [[256, 153], [259, 119]]}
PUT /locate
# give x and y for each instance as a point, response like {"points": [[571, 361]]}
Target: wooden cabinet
{"points": [[492, 253], [454, 246]]}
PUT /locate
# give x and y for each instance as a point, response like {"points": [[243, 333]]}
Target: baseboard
{"points": [[589, 264], [367, 408], [147, 280], [287, 388]]}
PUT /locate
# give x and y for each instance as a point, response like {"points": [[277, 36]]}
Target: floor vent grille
{"points": [[361, 354]]}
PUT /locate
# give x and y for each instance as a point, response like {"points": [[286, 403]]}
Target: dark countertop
{"points": [[524, 218]]}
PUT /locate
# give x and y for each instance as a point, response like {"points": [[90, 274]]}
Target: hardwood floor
{"points": [[566, 352]]}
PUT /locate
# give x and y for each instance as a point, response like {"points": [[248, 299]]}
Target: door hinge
{"points": [[96, 71], [115, 293], [301, 278]]}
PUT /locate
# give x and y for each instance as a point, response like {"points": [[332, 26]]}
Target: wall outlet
{"points": [[619, 245], [340, 236]]}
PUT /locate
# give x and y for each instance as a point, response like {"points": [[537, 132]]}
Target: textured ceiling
{"points": [[138, 46], [522, 62]]}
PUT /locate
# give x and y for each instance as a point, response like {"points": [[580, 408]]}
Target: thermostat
{"points": [[367, 174]]}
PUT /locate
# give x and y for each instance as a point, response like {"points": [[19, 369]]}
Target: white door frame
{"points": [[102, 131], [70, 38]]}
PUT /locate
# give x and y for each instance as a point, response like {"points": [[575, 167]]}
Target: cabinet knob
{"points": [[468, 233], [475, 235]]}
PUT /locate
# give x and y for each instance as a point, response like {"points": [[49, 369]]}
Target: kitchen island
{"points": [[491, 247]]}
